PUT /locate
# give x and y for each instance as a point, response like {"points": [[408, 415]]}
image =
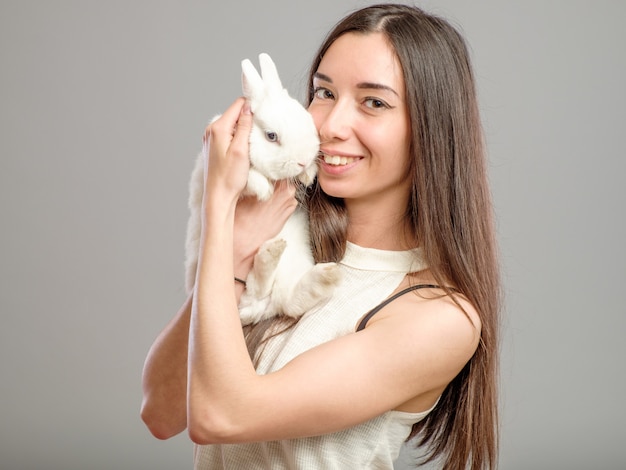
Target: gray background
{"points": [[102, 106]]}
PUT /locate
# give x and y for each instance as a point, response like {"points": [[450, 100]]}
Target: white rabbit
{"points": [[283, 144]]}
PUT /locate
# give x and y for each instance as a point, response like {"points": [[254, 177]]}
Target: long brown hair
{"points": [[449, 211]]}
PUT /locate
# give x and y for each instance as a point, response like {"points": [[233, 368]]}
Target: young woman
{"points": [[401, 201]]}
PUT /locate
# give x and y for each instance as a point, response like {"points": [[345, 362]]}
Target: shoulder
{"points": [[438, 332], [426, 303]]}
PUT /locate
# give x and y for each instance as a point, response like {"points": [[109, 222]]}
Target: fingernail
{"points": [[246, 108]]}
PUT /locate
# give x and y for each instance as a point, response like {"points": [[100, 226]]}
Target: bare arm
{"points": [[164, 381], [165, 378]]}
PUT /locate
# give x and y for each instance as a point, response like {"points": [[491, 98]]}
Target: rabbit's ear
{"points": [[251, 81], [269, 72]]}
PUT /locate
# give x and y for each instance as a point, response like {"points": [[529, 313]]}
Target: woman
{"points": [[401, 201]]}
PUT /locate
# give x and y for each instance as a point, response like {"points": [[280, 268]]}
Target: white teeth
{"points": [[338, 160]]}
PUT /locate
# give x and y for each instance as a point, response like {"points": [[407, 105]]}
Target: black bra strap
{"points": [[376, 309]]}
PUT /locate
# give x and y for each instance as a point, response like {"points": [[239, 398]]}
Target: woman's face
{"points": [[360, 112]]}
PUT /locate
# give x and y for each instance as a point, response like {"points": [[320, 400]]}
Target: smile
{"points": [[337, 160]]}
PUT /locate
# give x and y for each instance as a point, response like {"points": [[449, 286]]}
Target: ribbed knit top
{"points": [[369, 276]]}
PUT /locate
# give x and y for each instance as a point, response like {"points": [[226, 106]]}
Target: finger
{"points": [[224, 125], [285, 195], [244, 125], [285, 187]]}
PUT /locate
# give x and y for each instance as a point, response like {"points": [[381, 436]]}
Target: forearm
{"points": [[219, 364], [165, 378]]}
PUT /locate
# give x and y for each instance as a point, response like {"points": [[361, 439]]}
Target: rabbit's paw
{"points": [[261, 278], [308, 175], [259, 185], [324, 276], [316, 285], [270, 252]]}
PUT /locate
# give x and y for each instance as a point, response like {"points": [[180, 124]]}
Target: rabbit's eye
{"points": [[271, 136]]}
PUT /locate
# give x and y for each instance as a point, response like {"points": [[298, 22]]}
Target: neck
{"points": [[380, 228]]}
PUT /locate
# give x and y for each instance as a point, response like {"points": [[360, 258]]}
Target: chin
{"points": [[335, 188]]}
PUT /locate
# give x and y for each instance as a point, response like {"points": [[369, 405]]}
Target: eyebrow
{"points": [[362, 85]]}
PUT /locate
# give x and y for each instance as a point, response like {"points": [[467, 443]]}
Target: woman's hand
{"points": [[225, 145], [258, 221]]}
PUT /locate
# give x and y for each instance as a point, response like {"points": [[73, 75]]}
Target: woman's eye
{"points": [[271, 136], [375, 103], [322, 93]]}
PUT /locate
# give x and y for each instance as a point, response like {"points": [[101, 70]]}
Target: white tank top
{"points": [[369, 277]]}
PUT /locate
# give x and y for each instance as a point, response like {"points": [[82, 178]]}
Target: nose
{"points": [[334, 122]]}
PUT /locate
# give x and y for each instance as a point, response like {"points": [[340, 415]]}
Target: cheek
{"points": [[391, 142], [401, 133], [381, 139]]}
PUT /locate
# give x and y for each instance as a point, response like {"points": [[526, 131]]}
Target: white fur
{"points": [[284, 279]]}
